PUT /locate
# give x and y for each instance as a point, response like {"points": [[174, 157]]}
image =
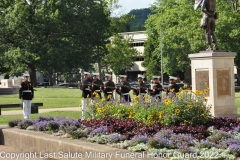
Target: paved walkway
{"points": [[42, 110]]}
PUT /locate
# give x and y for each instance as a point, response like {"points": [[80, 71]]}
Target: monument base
{"points": [[215, 70]]}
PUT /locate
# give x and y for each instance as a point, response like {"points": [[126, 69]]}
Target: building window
{"points": [[138, 44]]}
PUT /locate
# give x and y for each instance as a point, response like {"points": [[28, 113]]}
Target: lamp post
{"points": [[161, 50]]}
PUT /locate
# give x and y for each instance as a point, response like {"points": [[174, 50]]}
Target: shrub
{"points": [[24, 124], [14, 122]]}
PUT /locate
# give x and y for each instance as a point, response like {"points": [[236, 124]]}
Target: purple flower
{"points": [[137, 139], [44, 118], [41, 126], [206, 144], [165, 133], [114, 138], [235, 149], [24, 124], [99, 131]]}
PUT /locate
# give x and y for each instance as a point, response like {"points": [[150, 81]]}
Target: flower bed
{"points": [[211, 141], [166, 128]]}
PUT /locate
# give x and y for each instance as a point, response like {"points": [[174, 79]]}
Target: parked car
{"points": [[43, 85], [73, 86]]}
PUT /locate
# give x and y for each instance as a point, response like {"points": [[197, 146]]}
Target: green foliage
{"points": [[141, 16], [172, 111], [182, 35], [121, 54], [51, 35]]}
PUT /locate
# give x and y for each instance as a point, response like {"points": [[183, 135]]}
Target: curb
{"points": [[48, 146]]}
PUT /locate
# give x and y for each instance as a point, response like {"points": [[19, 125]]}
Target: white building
{"points": [[139, 37]]}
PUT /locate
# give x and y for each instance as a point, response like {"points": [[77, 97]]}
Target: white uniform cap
{"points": [[154, 77], [140, 76], [95, 74], [86, 73], [171, 77], [108, 75], [25, 75], [123, 76]]}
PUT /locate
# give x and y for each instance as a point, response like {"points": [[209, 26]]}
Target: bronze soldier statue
{"points": [[208, 23]]}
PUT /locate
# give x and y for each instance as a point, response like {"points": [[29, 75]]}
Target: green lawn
{"points": [[50, 97], [69, 114]]}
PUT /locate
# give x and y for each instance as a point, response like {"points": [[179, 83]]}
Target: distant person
{"points": [[109, 87], [141, 88], [173, 87], [86, 88], [97, 85], [124, 90], [156, 89], [26, 93], [178, 79]]}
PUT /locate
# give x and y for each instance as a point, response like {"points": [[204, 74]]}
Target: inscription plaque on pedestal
{"points": [[223, 82], [202, 80]]}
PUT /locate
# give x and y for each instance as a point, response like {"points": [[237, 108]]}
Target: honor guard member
{"points": [[173, 88], [97, 85], [109, 87], [141, 88], [86, 88], [124, 90], [26, 93], [156, 89]]}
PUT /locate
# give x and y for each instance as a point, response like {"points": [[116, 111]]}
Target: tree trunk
{"points": [[50, 74], [32, 72], [6, 76], [99, 69]]}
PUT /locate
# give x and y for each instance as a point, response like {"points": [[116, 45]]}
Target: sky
{"points": [[128, 5]]}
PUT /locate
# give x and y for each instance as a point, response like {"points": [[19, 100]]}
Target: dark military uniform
{"points": [[142, 89], [109, 87], [124, 92], [26, 91], [97, 86], [174, 88], [156, 91], [86, 88]]}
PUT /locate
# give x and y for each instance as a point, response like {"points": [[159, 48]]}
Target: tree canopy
{"points": [[182, 35], [51, 35]]}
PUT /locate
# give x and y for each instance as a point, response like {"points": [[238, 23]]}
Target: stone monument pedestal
{"points": [[215, 70]]}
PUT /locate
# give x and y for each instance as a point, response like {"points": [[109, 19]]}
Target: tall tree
{"points": [[121, 55], [51, 35], [182, 35]]}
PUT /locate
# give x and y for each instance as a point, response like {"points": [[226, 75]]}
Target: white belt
{"points": [[142, 93], [87, 89], [125, 94], [27, 91], [109, 92], [97, 90]]}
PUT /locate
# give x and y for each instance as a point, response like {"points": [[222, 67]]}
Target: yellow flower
{"points": [[109, 96], [198, 92], [180, 90], [205, 99], [185, 86], [149, 117], [190, 106], [206, 90], [185, 121], [119, 111], [177, 110], [147, 100], [186, 91], [103, 99], [96, 115], [167, 101], [202, 115], [88, 119], [97, 104]]}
